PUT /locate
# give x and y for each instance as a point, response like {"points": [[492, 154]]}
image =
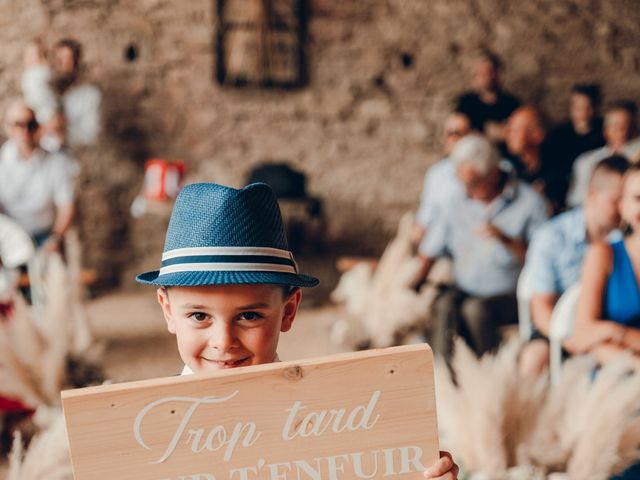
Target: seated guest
{"points": [[36, 82], [36, 187], [488, 106], [620, 134], [527, 151], [486, 232], [80, 99], [440, 181], [608, 314], [524, 135], [580, 134], [557, 250]]}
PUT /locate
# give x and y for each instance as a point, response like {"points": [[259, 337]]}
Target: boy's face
{"points": [[227, 326]]}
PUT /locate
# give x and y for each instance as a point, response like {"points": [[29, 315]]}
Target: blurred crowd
{"points": [[57, 114], [528, 213]]}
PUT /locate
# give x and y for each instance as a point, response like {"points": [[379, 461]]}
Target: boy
{"points": [[228, 284]]}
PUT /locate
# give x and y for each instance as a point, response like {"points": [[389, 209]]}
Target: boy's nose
{"points": [[222, 337]]}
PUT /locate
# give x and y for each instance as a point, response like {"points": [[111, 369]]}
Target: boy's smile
{"points": [[228, 326]]}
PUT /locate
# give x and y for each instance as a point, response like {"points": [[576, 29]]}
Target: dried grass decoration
{"points": [[382, 305], [47, 457], [47, 347], [500, 425]]}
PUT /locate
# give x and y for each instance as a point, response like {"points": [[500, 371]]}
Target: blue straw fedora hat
{"points": [[220, 236]]}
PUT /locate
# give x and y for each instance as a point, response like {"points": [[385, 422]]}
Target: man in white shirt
{"points": [[620, 134], [36, 186]]}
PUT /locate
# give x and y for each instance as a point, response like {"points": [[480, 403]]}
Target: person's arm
{"points": [[607, 351], [629, 338], [590, 330], [426, 263], [64, 219], [433, 245], [541, 268], [516, 246], [542, 305], [63, 199]]}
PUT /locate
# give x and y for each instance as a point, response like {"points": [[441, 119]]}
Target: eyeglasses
{"points": [[30, 125]]}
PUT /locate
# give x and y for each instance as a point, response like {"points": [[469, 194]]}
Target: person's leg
{"points": [[445, 321], [483, 318]]}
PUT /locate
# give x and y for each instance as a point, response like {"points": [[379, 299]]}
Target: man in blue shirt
{"points": [[485, 229], [557, 250]]}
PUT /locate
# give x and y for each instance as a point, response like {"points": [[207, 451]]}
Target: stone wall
{"points": [[383, 74]]}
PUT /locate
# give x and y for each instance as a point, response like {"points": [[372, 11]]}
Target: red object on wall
{"points": [[162, 179]]}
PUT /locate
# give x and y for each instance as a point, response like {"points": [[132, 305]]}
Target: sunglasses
{"points": [[30, 125]]}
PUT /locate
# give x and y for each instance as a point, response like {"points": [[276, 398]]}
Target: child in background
{"points": [[36, 82], [228, 284]]}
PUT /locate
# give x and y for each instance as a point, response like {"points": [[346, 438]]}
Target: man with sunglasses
{"points": [[36, 186]]}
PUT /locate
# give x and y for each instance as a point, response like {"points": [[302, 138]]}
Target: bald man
{"points": [[36, 186], [525, 141]]}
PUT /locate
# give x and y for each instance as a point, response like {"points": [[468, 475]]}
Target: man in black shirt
{"points": [[581, 133], [487, 105]]}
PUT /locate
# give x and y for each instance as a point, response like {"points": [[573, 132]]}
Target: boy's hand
{"points": [[443, 469]]}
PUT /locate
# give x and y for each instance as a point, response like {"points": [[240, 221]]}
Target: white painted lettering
{"points": [[275, 470], [335, 467], [217, 437], [312, 473], [336, 416], [194, 436], [293, 412], [356, 459], [243, 473], [411, 455], [250, 437], [366, 414], [317, 423], [388, 462]]}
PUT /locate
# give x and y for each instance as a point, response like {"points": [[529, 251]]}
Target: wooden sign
{"points": [[365, 415]]}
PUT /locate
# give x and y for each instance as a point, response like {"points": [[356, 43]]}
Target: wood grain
{"points": [[380, 441]]}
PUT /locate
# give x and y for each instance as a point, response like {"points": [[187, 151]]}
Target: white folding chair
{"points": [[563, 319], [523, 294]]}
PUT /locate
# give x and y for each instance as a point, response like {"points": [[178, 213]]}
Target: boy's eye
{"points": [[250, 316], [198, 316]]}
